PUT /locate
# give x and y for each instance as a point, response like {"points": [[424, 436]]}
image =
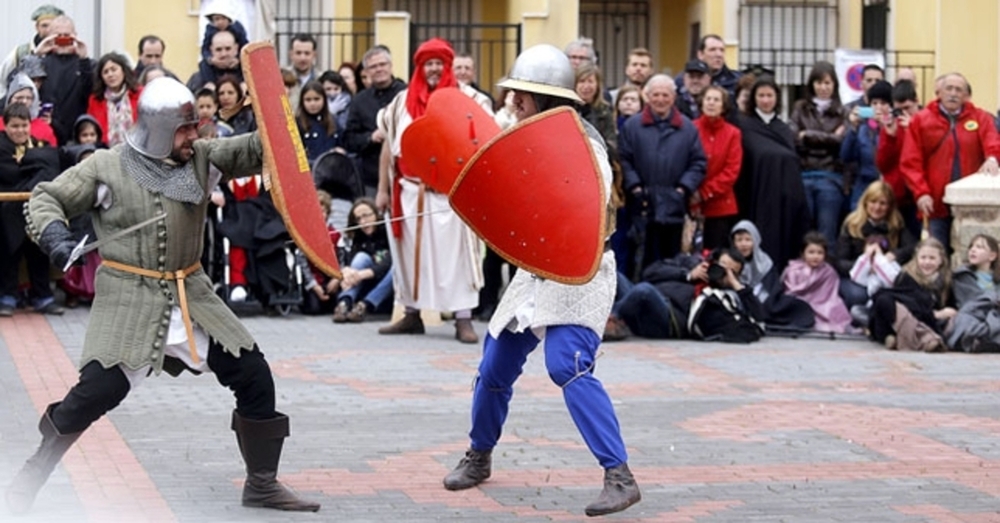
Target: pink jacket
{"points": [[819, 288]]}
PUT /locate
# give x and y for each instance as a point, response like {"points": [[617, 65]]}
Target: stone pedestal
{"points": [[975, 207]]}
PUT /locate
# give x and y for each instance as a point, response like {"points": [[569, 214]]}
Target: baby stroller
{"points": [[257, 258], [336, 174]]}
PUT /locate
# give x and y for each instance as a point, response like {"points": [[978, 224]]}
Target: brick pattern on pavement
{"points": [[796, 430]]}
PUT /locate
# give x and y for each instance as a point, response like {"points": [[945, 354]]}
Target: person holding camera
{"points": [[905, 105], [656, 307], [726, 310], [857, 153], [70, 77]]}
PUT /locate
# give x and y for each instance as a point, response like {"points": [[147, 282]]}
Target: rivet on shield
{"points": [[460, 160], [434, 159]]}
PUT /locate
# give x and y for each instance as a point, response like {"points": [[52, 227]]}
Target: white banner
{"points": [[850, 65]]}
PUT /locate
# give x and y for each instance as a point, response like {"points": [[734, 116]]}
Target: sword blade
{"points": [[390, 220], [82, 249]]}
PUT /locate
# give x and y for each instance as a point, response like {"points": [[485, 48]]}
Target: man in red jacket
{"points": [[949, 139]]}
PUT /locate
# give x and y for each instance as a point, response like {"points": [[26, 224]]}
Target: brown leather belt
{"points": [[181, 294]]}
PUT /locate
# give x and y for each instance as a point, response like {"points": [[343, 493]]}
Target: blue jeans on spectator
{"points": [[852, 293], [860, 184], [377, 292], [940, 229], [646, 312], [825, 197]]}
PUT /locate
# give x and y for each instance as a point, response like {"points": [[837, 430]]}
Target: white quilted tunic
{"points": [[531, 302]]}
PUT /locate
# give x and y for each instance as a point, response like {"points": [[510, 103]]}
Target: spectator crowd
{"points": [[733, 221]]}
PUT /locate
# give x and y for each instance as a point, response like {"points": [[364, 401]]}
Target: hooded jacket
{"points": [[40, 129]]}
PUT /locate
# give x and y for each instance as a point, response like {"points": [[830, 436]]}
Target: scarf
{"points": [[766, 117], [822, 105], [119, 114], [418, 92], [177, 182]]}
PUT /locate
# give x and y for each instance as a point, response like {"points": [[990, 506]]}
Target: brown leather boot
{"points": [[25, 486], [464, 331], [620, 492], [260, 444], [472, 470], [410, 323]]}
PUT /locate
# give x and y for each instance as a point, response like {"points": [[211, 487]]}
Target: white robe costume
{"points": [[450, 268]]}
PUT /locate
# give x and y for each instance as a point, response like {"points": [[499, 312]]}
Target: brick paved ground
{"points": [[783, 430]]}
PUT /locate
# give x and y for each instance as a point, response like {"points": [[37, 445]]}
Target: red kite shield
{"points": [[535, 194], [291, 181], [439, 144]]}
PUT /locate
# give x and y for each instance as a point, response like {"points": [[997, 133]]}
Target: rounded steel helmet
{"points": [[543, 69], [164, 106]]}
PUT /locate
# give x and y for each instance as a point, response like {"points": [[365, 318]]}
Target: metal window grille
{"points": [[874, 16], [616, 26], [433, 11], [787, 36], [493, 46], [338, 40]]}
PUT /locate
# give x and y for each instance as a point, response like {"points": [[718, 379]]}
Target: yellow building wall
{"points": [[913, 34], [171, 22], [849, 24], [392, 29], [555, 22], [674, 19], [967, 42]]}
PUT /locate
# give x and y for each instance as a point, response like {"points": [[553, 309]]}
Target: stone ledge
{"points": [[975, 189]]}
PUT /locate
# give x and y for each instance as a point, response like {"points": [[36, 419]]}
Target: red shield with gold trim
{"points": [[535, 194], [285, 163], [439, 144]]}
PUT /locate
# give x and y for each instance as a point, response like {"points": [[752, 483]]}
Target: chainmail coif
{"points": [[175, 182]]}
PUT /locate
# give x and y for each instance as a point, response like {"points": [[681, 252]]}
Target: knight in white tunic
{"points": [[436, 257], [567, 319]]}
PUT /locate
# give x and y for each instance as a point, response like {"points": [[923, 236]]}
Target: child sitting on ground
{"points": [[813, 280], [913, 313], [759, 273], [318, 286], [976, 288]]}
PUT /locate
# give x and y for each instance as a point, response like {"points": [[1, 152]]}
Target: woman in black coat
{"points": [[769, 190]]}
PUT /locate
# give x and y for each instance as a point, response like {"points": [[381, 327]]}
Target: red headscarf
{"points": [[418, 91]]}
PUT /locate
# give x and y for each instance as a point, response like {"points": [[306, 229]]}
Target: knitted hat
{"points": [[46, 11], [880, 90]]}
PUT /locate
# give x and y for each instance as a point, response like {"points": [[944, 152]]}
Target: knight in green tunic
{"points": [[154, 307]]}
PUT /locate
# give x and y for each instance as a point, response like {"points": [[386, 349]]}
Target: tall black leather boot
{"points": [[260, 443], [620, 492], [22, 491]]}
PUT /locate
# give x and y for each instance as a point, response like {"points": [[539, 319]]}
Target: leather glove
{"points": [[57, 242]]}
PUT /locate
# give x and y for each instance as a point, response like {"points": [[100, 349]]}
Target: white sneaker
{"points": [[238, 294]]}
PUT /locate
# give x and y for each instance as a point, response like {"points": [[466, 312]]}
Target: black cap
{"points": [[696, 66], [880, 90]]}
